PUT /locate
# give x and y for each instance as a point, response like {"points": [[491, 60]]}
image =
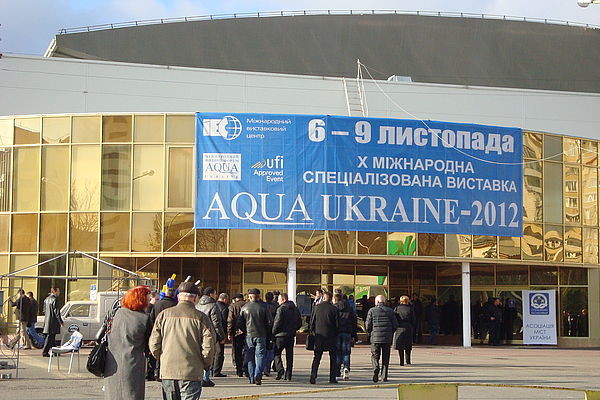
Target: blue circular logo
{"points": [[233, 128]]}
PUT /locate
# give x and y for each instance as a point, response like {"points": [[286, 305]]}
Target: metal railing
{"points": [[267, 14]]}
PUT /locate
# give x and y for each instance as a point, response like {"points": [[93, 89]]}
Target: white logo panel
{"points": [[221, 166]]}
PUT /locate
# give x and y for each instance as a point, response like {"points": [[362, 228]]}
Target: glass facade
{"points": [[122, 187]]}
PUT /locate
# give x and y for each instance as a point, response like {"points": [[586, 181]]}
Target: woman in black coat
{"points": [[404, 334]]}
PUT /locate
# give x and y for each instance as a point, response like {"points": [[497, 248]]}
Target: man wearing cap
{"points": [[208, 305], [182, 341], [257, 323], [237, 336]]}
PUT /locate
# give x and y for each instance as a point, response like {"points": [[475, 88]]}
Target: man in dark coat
{"points": [[22, 306], [166, 302], [52, 320], [237, 336], [494, 313], [37, 339], [257, 323], [271, 308], [208, 305], [346, 331], [417, 306], [433, 313], [222, 303], [381, 324], [324, 323], [287, 322]]}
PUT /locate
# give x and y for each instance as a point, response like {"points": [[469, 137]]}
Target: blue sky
{"points": [[28, 26]]}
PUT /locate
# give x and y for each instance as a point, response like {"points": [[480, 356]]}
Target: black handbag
{"points": [[97, 359], [310, 342]]}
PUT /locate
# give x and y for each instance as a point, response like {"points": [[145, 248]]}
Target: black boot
{"points": [[401, 354], [384, 373], [376, 375], [407, 357]]}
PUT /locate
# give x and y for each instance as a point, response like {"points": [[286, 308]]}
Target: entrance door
{"points": [[512, 324]]}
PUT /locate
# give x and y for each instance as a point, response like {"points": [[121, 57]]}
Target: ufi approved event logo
{"points": [[227, 127], [539, 304], [221, 166]]}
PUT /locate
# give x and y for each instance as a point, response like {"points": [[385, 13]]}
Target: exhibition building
{"points": [[159, 147]]}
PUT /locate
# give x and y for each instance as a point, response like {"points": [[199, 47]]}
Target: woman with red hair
{"points": [[125, 370]]}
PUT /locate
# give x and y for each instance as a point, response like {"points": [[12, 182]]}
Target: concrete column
{"points": [[291, 279], [466, 303]]}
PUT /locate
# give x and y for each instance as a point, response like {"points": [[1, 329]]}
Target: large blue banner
{"points": [[357, 174]]}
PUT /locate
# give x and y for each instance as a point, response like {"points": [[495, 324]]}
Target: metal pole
{"points": [[466, 303], [291, 278]]}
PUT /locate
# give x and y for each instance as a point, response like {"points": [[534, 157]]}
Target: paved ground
{"points": [[547, 367]]}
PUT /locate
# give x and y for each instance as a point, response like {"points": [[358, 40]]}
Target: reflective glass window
{"points": [[27, 130], [574, 311], [116, 128], [373, 275], [573, 244], [512, 275], [590, 196], [532, 244], [402, 244], [482, 274], [244, 240], [458, 245], [146, 232], [148, 177], [79, 289], [484, 246], [4, 232], [509, 247], [24, 232], [266, 275], [55, 178], [423, 274], [26, 180], [4, 265], [532, 191], [114, 234], [116, 177], [572, 150], [400, 273], [571, 193], [86, 129], [307, 271], [449, 274], [85, 178], [180, 177], [573, 276], [338, 274], [57, 267], [277, 241], [149, 128], [553, 192], [179, 232], [309, 242], [341, 242], [553, 148], [83, 232], [544, 275], [181, 128], [56, 129], [553, 242], [6, 132], [372, 243], [431, 244], [211, 240], [532, 145], [53, 232], [21, 261], [589, 152], [590, 246], [5, 176]]}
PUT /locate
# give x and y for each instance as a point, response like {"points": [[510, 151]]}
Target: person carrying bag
{"points": [[97, 358]]}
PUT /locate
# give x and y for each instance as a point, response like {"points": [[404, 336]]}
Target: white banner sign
{"points": [[539, 317]]}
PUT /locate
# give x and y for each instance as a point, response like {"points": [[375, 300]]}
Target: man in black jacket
{"points": [[167, 301], [257, 323], [324, 323], [222, 303], [208, 305], [494, 313], [381, 324], [287, 322], [52, 319], [23, 310], [346, 331], [237, 336]]}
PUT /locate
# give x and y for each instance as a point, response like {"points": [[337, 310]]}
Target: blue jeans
{"points": [[343, 350], [269, 357], [207, 373], [181, 390], [36, 337], [256, 354]]}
